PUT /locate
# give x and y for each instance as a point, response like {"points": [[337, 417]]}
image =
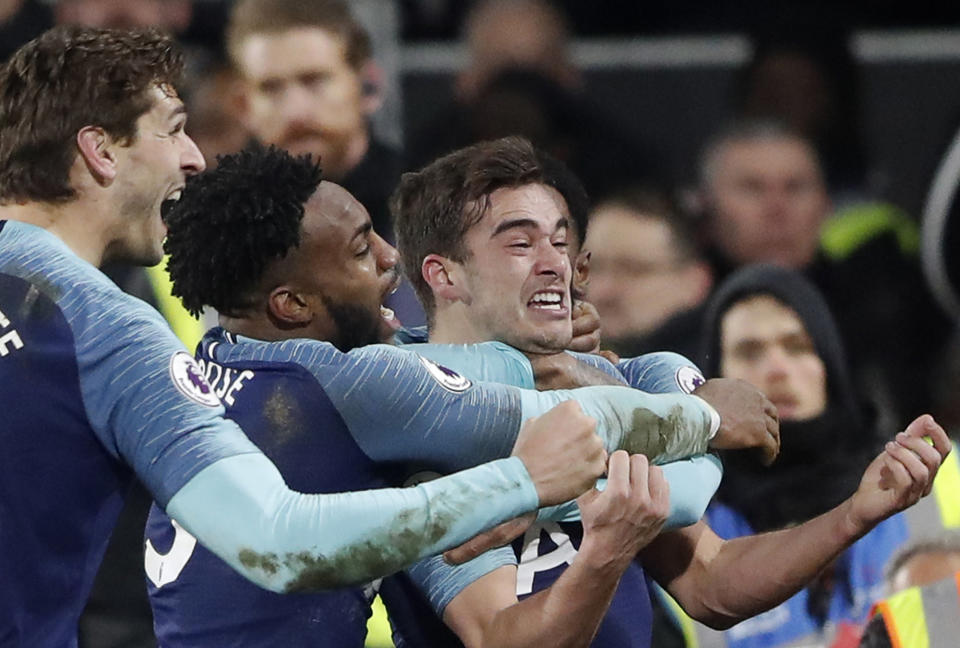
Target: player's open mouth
{"points": [[167, 205], [547, 300], [390, 318]]}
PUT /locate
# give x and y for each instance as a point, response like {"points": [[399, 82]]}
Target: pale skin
{"points": [[767, 200], [924, 568], [765, 343], [302, 94]]}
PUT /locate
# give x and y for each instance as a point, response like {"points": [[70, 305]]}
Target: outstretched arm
{"points": [[723, 582]]}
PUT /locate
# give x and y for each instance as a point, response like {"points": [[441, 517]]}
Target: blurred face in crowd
{"points": [[302, 95], [638, 278], [342, 269], [767, 200], [765, 343], [507, 34], [169, 15], [925, 568], [514, 285]]}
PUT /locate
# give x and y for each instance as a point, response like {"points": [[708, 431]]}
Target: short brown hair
{"points": [[264, 16], [65, 79], [434, 208]]}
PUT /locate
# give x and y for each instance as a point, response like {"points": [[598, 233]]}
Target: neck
{"points": [[452, 326], [76, 223]]}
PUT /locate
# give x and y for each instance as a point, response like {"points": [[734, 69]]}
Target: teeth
{"points": [[386, 313], [176, 195], [549, 298]]}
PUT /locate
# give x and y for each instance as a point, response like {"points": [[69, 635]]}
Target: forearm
{"points": [[284, 541], [736, 579], [568, 613], [664, 427]]}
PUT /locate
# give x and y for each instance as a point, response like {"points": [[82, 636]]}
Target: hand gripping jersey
{"points": [[416, 599], [330, 421]]}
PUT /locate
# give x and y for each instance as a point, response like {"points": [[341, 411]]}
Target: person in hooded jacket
{"points": [[771, 327]]}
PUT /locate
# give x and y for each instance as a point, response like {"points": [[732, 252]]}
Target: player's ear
{"points": [[441, 275], [288, 308], [581, 274], [97, 151]]}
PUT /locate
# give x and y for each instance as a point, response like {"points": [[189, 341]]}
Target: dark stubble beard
{"points": [[356, 325]]}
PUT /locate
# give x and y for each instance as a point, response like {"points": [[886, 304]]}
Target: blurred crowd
{"points": [[838, 325]]}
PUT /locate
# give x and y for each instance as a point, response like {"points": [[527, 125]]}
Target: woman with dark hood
{"points": [[771, 327]]}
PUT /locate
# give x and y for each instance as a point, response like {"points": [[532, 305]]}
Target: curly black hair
{"points": [[232, 222]]}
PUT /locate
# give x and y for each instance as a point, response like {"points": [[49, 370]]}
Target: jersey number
{"points": [[532, 562], [165, 568]]}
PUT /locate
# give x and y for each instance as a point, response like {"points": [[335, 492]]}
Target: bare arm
{"points": [[617, 522], [722, 582]]}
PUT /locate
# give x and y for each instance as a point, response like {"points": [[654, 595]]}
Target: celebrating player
{"points": [[484, 233], [95, 388]]}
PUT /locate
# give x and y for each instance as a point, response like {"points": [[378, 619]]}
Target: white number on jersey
{"points": [[531, 562], [165, 568], [10, 340]]}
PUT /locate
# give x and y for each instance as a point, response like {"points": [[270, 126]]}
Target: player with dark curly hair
{"points": [[283, 294], [95, 389], [223, 240]]}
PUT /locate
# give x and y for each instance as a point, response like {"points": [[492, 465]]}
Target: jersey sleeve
{"points": [[441, 582], [145, 396], [241, 510], [401, 407], [661, 372]]}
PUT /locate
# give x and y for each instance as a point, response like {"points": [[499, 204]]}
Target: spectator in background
{"points": [[214, 104], [647, 276], [520, 80], [764, 199], [169, 15], [771, 327], [920, 612], [806, 78], [504, 34], [309, 84]]}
